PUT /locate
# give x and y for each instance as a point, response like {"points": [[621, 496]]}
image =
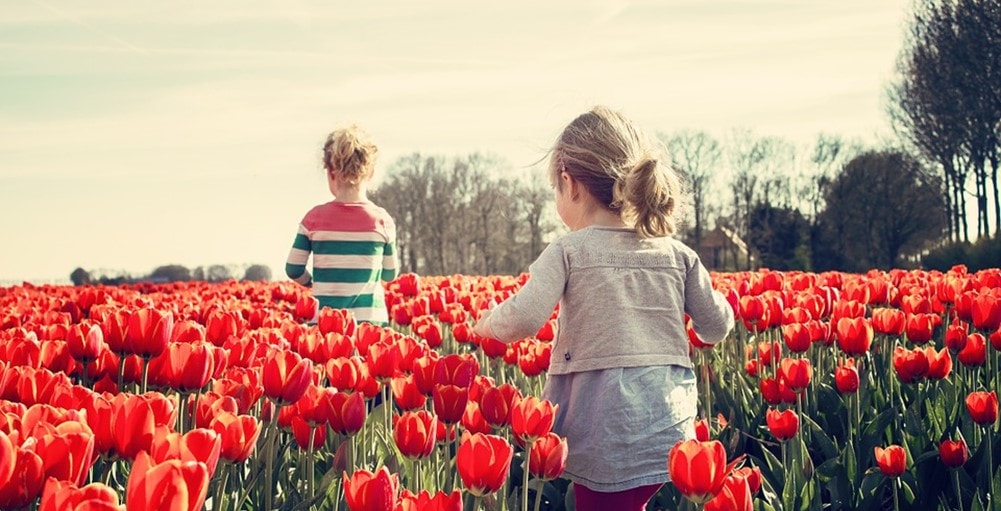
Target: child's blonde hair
{"points": [[624, 170], [350, 152]]}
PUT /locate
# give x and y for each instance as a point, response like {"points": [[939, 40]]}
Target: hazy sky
{"points": [[141, 133]]}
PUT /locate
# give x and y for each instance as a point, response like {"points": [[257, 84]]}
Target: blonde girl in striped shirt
{"points": [[352, 240]]}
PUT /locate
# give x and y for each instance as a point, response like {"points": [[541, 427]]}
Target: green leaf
{"points": [[872, 480], [820, 438], [810, 498], [776, 471], [851, 463]]}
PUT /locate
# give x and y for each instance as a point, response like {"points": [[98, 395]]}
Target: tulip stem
{"points": [[524, 478], [309, 465], [990, 461], [957, 489], [145, 374], [896, 501], [538, 498]]}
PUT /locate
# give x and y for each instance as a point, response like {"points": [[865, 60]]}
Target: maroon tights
{"points": [[634, 499]]}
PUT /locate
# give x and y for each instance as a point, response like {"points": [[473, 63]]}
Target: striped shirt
{"points": [[354, 251]]}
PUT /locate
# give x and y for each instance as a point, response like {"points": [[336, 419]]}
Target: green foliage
{"points": [[985, 253]]}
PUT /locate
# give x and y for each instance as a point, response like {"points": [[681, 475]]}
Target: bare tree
{"points": [[697, 155]]}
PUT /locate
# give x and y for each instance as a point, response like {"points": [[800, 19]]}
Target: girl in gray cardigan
{"points": [[620, 369]]}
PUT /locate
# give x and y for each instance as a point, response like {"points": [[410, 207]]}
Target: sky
{"points": [[139, 133]]}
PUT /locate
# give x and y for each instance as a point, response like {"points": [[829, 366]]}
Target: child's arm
{"points": [[524, 313], [712, 317], [390, 261], [295, 266]]}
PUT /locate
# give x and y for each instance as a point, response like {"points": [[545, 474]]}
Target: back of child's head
{"points": [[350, 152], [623, 169]]}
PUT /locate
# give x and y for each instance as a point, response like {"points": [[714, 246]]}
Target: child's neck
{"points": [[352, 195]]}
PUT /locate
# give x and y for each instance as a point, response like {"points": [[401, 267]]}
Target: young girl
{"points": [[352, 240], [620, 370]]}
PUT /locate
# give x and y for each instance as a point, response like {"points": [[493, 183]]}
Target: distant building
{"points": [[722, 250]]}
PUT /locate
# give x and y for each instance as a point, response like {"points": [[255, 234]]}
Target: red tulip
{"points": [[455, 369], [238, 435], [148, 332], [735, 495], [955, 335], [702, 430], [8, 458], [134, 424], [190, 365], [286, 376], [174, 484], [775, 391], [383, 360], [483, 462], [987, 311], [406, 395], [892, 461], [846, 377], [306, 435], [983, 407], [306, 308], [450, 402], [548, 457], [797, 337], [953, 453], [85, 343], [344, 373], [220, 325], [348, 413], [939, 363], [210, 404], [532, 418], [67, 451], [368, 491], [496, 404], [340, 321], [796, 372], [783, 425], [910, 365], [975, 352], [854, 335], [888, 321], [200, 444], [424, 501], [414, 434], [63, 495], [698, 469], [921, 327]]}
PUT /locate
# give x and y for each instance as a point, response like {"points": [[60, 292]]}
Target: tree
{"points": [[80, 277], [258, 272], [218, 273], [170, 273], [883, 204], [779, 237], [947, 103], [457, 214], [697, 155]]}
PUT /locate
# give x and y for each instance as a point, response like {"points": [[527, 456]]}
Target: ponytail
{"points": [[351, 153], [651, 192]]}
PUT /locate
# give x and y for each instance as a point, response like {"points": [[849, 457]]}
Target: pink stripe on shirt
{"points": [[348, 217]]}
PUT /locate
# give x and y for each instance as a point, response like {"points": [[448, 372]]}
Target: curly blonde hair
{"points": [[350, 152], [623, 169]]}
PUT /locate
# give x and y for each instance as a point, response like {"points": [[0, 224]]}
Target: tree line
{"points": [[173, 273]]}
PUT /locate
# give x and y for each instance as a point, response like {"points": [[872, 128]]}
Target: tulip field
{"points": [[834, 391]]}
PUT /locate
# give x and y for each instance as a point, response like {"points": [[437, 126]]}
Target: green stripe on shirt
{"points": [[294, 271], [371, 248], [344, 274], [301, 242], [343, 302]]}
